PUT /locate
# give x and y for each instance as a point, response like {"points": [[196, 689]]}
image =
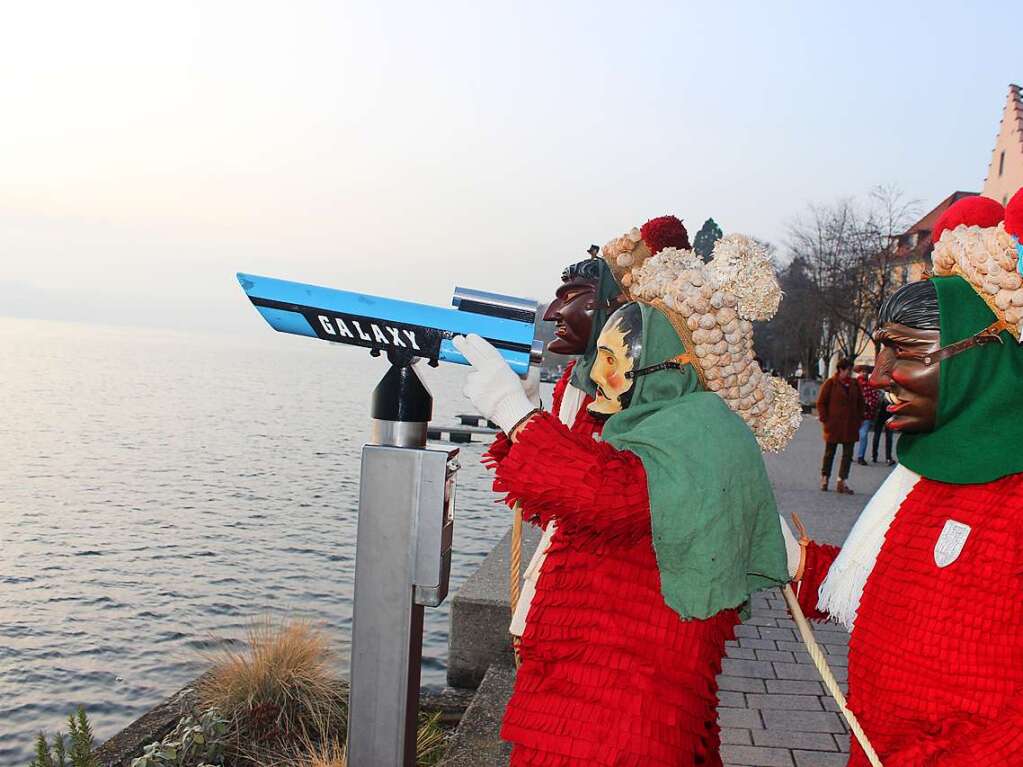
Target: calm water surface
{"points": [[159, 490]]}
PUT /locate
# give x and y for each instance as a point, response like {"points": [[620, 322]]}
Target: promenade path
{"points": [[774, 711]]}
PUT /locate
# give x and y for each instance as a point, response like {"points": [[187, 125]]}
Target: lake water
{"points": [[160, 490]]}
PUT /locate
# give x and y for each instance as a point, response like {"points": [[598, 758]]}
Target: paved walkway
{"points": [[774, 711]]}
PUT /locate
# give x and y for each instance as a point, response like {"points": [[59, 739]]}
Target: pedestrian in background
{"points": [[871, 398], [881, 425], [840, 410]]}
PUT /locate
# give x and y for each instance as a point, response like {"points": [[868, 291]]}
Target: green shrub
{"points": [[191, 744], [81, 741]]}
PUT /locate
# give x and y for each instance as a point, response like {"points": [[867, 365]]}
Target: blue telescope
{"points": [[401, 329]]}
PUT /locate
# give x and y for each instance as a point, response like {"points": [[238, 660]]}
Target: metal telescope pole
{"points": [[402, 561]]}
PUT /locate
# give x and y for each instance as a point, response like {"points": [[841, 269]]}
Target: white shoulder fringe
{"points": [[840, 593]]}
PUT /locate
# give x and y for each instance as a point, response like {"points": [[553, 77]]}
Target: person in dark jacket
{"points": [[840, 408], [871, 401]]}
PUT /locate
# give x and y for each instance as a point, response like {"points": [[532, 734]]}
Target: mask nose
{"points": [[553, 313], [881, 378]]}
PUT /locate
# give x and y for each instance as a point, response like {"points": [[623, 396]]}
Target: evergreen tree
{"points": [[705, 239]]}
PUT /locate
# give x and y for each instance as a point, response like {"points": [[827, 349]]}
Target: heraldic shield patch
{"points": [[950, 543]]}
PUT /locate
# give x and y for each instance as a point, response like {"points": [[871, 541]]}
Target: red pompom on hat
{"points": [[969, 211], [664, 232], [1014, 215]]}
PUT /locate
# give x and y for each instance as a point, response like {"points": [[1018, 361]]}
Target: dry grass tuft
{"points": [[281, 687], [431, 741], [329, 754], [286, 705]]}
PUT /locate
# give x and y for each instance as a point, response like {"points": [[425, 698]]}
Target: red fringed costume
{"points": [[610, 674], [930, 579], [936, 655]]}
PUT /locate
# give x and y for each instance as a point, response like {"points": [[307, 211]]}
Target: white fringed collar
{"points": [[841, 591]]}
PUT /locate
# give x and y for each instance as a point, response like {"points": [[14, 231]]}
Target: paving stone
{"points": [[758, 644], [742, 653], [801, 721], [813, 741], [745, 630], [731, 699], [779, 655], [797, 671], [794, 646], [756, 756], [842, 741], [746, 718], [758, 669], [740, 684], [778, 634], [760, 620], [774, 613], [736, 736], [789, 702], [795, 687], [819, 759]]}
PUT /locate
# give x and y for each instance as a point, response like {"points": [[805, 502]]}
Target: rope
{"points": [[515, 574], [817, 656]]}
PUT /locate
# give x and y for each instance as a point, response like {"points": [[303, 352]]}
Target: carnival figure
{"points": [[928, 580], [666, 522]]}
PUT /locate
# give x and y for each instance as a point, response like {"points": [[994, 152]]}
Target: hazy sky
{"points": [[150, 150]]}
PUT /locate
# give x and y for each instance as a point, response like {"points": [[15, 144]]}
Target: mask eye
{"points": [[907, 354]]}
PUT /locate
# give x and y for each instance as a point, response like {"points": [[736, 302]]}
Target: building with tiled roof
{"points": [[1005, 172], [913, 247]]}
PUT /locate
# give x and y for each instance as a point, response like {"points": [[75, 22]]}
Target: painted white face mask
{"points": [[618, 350]]}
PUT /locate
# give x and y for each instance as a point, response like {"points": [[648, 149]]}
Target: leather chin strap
{"points": [[675, 363], [988, 335]]}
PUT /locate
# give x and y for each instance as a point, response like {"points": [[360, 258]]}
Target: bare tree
{"points": [[846, 252]]}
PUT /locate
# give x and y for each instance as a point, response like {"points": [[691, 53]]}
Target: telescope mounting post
{"points": [[402, 562]]}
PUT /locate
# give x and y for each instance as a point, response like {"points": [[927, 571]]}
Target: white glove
{"points": [[531, 386], [492, 386]]}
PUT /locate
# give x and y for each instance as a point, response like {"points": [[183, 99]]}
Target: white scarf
{"points": [[571, 399], [841, 591]]}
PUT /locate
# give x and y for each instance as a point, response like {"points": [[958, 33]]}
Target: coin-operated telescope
{"points": [[402, 327], [406, 489]]}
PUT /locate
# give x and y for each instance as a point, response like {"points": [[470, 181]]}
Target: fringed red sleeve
{"points": [[583, 483], [819, 557], [499, 448]]}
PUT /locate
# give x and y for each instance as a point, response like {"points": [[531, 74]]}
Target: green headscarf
{"points": [[607, 290], [978, 432], [716, 530]]}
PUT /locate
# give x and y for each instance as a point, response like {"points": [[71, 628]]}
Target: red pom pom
{"points": [[664, 232], [1014, 215], [971, 211]]}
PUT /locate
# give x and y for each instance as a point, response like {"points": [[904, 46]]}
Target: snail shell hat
{"points": [[712, 306], [980, 241]]}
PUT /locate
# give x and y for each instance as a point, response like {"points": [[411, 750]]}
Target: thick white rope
{"points": [[817, 656]]}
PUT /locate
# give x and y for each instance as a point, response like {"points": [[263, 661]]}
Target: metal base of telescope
{"points": [[405, 496]]}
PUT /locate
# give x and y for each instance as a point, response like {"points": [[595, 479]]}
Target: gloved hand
{"points": [[492, 386]]}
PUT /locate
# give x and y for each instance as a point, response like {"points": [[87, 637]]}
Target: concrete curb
{"points": [[477, 741], [478, 637]]}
